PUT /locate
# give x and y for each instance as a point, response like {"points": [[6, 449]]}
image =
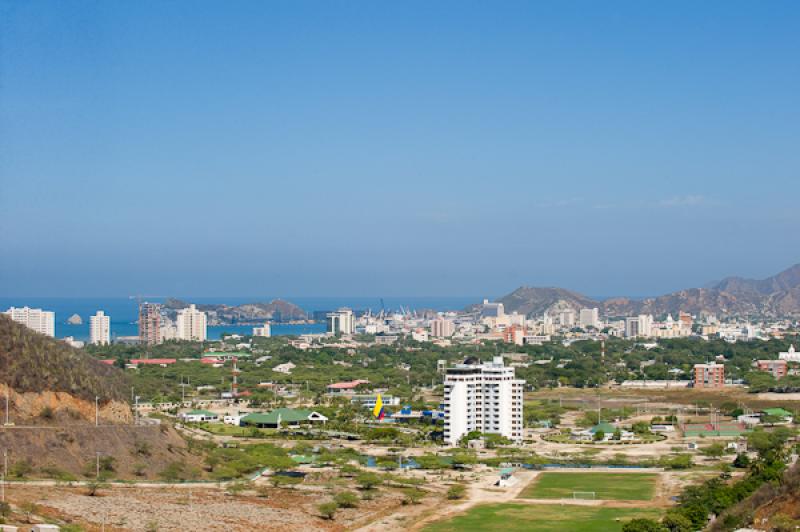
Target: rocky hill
{"points": [[34, 363], [248, 314], [533, 301], [772, 507], [776, 296]]}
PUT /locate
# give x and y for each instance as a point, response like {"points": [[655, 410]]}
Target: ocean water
{"points": [[124, 311]]}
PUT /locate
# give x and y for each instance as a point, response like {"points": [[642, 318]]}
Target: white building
{"points": [[791, 355], [341, 322], [72, 342], [640, 326], [590, 317], [482, 397], [100, 328], [566, 318], [41, 321], [264, 331], [442, 328], [191, 324], [419, 335], [492, 310]]}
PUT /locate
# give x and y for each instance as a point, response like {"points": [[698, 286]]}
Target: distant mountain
{"points": [[33, 362], [533, 301], [247, 314], [776, 296]]}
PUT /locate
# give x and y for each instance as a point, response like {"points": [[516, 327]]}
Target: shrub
{"points": [[457, 491], [21, 468], [55, 473], [237, 488], [142, 448], [742, 461], [328, 509], [139, 469], [93, 486], [346, 499], [643, 525], [413, 496], [173, 472], [368, 481]]}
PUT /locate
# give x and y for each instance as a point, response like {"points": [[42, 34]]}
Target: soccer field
{"points": [[542, 518], [608, 486]]}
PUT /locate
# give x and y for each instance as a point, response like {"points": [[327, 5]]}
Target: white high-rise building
{"points": [[341, 322], [442, 328], [640, 326], [191, 324], [590, 317], [262, 331], [492, 310], [482, 397], [41, 321], [100, 328], [566, 318]]}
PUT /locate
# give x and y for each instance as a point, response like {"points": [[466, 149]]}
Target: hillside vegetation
{"points": [[32, 362]]}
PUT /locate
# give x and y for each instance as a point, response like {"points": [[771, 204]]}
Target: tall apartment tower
{"points": [[150, 323], [641, 325], [590, 317], [341, 322], [492, 310], [100, 328], [41, 321], [442, 328], [191, 324], [482, 397], [709, 375]]}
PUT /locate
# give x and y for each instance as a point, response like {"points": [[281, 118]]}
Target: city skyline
{"points": [[362, 150]]}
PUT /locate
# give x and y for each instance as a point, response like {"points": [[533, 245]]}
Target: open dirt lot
{"points": [[130, 508]]}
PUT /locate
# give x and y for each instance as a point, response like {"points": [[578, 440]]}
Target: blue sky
{"points": [[395, 148]]}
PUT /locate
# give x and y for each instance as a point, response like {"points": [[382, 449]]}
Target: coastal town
{"points": [[399, 266], [487, 401]]}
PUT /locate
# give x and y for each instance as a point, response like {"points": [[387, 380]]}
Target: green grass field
{"points": [[542, 518], [608, 486]]}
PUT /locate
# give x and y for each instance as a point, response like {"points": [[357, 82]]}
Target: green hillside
{"points": [[32, 362]]}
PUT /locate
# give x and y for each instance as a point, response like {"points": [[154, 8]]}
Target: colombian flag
{"points": [[378, 410]]}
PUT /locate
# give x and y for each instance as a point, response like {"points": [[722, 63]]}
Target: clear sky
{"points": [[395, 148]]}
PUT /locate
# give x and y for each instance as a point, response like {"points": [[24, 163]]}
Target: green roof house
{"points": [[607, 428], [283, 417], [780, 413]]}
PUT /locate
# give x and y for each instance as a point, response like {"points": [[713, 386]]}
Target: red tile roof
{"points": [[346, 385]]}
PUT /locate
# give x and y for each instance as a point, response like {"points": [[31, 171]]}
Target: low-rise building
{"points": [[776, 368], [345, 388], [198, 416], [285, 368], [709, 375], [283, 416], [264, 331]]}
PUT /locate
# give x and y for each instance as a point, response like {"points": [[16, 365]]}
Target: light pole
{"points": [[96, 411], [5, 472]]}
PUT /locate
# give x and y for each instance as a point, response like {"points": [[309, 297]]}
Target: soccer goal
{"points": [[586, 495]]}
